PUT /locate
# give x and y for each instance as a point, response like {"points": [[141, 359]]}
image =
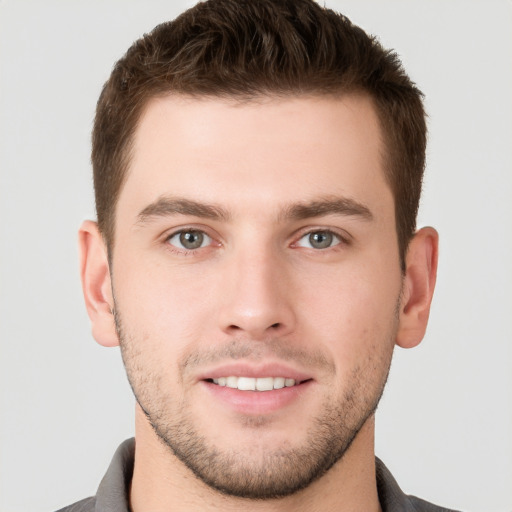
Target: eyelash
{"points": [[341, 240], [338, 238], [183, 250]]}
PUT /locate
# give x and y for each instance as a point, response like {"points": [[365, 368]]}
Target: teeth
{"points": [[254, 384], [232, 382], [246, 383], [265, 384], [279, 382]]}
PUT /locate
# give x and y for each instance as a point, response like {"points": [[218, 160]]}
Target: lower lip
{"points": [[257, 402]]}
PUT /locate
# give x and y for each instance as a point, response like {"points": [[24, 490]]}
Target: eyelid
{"points": [[169, 234], [344, 237], [205, 242]]}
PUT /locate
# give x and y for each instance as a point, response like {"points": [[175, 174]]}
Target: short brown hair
{"points": [[245, 49]]}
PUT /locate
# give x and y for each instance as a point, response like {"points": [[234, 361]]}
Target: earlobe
{"points": [[96, 285], [418, 287]]}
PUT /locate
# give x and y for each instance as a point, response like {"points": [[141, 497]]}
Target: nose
{"points": [[257, 296]]}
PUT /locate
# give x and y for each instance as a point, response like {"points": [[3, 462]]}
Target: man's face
{"points": [[256, 247]]}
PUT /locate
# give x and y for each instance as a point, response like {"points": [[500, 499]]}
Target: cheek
{"points": [[162, 309], [353, 312]]}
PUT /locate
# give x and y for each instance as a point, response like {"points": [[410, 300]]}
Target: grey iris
{"points": [[320, 239], [191, 239]]}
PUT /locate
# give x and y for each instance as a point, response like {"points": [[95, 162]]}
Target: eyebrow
{"points": [[331, 205], [167, 206]]}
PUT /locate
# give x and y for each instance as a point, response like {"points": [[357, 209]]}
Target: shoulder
{"points": [[419, 505], [392, 499], [86, 505]]}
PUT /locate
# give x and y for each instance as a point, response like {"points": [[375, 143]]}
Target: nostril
{"points": [[254, 331]]}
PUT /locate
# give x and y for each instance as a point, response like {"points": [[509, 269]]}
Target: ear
{"points": [[96, 285], [418, 287]]}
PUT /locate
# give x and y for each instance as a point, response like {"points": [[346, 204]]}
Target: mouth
{"points": [[256, 383], [256, 389]]}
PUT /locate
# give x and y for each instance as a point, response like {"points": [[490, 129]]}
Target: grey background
{"points": [[444, 427]]}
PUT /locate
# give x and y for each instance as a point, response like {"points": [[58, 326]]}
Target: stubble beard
{"points": [[267, 475]]}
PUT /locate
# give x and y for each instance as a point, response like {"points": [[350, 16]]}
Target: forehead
{"points": [[267, 151]]}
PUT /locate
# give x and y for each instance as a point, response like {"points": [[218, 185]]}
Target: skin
{"points": [[257, 298]]}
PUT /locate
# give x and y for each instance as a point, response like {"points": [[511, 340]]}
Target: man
{"points": [[257, 171]]}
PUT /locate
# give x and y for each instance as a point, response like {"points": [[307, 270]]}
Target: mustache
{"points": [[256, 351]]}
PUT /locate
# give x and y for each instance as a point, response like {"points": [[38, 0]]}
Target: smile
{"points": [[255, 383]]}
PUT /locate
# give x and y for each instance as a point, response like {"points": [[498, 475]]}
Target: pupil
{"points": [[191, 239], [320, 239]]}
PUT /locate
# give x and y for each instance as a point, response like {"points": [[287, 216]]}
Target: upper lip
{"points": [[241, 369]]}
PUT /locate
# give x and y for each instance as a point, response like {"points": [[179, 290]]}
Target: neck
{"points": [[161, 481]]}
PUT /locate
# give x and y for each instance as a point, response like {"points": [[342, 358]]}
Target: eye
{"points": [[319, 240], [189, 239]]}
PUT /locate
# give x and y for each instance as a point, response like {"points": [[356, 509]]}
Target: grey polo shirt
{"points": [[112, 495]]}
